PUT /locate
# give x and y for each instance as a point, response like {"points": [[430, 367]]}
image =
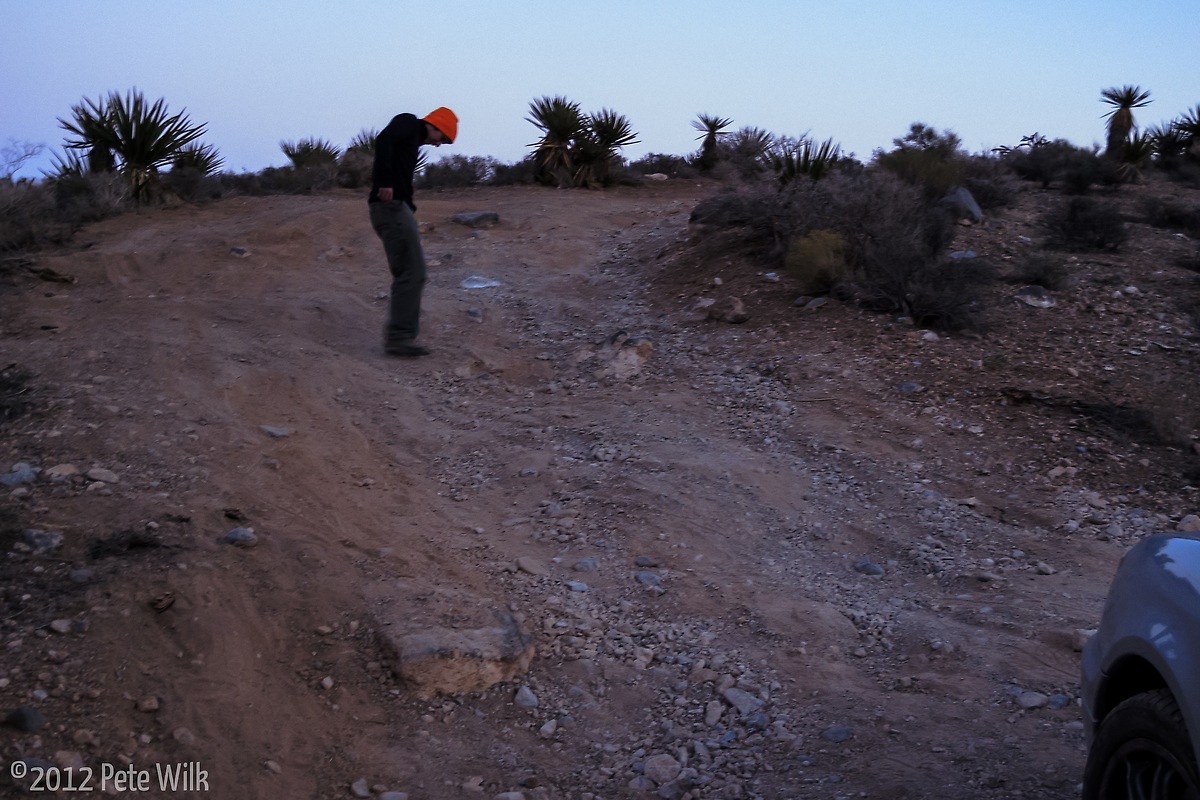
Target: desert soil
{"points": [[818, 554]]}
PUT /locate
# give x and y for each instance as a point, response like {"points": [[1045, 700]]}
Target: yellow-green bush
{"points": [[818, 261]]}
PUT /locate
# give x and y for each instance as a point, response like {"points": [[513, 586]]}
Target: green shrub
{"points": [[817, 260], [1049, 162], [948, 295], [990, 181], [521, 173], [1085, 223], [355, 167]]}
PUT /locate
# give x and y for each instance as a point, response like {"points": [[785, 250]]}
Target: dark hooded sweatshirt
{"points": [[396, 151]]}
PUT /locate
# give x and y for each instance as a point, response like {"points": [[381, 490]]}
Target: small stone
{"points": [[61, 626], [360, 788], [1032, 700], [327, 683], [586, 565], [743, 701], [1043, 568], [866, 567], [531, 566], [837, 734], [26, 719], [241, 537], [647, 562], [393, 796], [60, 472], [647, 578], [275, 432], [713, 712], [148, 704], [477, 219], [661, 768], [525, 698], [273, 767], [42, 542], [1189, 524], [103, 475], [547, 730], [184, 736]]}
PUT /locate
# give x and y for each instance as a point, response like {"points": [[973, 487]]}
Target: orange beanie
{"points": [[445, 121]]}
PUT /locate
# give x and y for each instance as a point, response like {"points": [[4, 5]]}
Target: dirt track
{"points": [[905, 621]]}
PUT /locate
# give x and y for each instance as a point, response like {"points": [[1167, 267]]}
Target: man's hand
{"points": [[385, 194]]}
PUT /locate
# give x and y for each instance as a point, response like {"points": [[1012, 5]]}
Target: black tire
{"points": [[1142, 751]]}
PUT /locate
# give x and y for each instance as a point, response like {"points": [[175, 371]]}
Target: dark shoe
{"points": [[405, 348]]}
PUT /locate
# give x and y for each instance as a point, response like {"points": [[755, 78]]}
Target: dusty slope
{"points": [[755, 469]]}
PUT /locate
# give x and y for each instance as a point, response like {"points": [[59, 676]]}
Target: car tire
{"points": [[1142, 750]]}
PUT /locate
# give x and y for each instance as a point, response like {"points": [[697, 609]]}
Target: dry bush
{"points": [[1047, 270], [1084, 223]]}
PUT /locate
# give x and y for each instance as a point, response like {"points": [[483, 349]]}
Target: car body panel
{"points": [[1149, 634]]}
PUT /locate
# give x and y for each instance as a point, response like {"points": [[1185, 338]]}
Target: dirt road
{"points": [[748, 563]]}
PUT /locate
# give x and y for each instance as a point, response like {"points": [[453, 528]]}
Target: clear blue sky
{"points": [[860, 71]]}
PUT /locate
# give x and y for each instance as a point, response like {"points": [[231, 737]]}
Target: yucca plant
{"points": [[1135, 155], [363, 142], [1188, 125], [807, 159], [130, 135], [1170, 143], [1120, 119], [203, 158], [561, 123], [606, 132], [310, 153], [711, 128]]}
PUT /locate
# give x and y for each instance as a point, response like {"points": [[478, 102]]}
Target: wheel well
{"points": [[1128, 677]]}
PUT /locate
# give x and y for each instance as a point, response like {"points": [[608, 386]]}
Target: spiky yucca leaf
{"points": [[310, 153], [363, 142], [203, 158]]}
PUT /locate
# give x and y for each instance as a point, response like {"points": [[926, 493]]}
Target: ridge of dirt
{"points": [[820, 554]]}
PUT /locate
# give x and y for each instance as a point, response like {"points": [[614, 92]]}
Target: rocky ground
{"points": [[598, 545]]}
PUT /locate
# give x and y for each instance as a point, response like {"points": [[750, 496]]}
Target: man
{"points": [[392, 207]]}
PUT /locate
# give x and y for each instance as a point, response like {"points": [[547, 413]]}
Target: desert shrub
{"points": [[817, 260], [948, 295], [521, 173], [894, 236], [457, 171], [1058, 161], [14, 392], [282, 180], [1170, 213], [1085, 223], [659, 163], [354, 168], [990, 181], [192, 184], [1047, 270], [927, 158]]}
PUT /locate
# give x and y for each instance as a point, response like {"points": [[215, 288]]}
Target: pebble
{"points": [[1032, 700], [103, 475], [1189, 524], [866, 567], [241, 537], [276, 432], [531, 566], [26, 719], [360, 788], [21, 473], [525, 698], [61, 626], [837, 734], [743, 701], [661, 768]]}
